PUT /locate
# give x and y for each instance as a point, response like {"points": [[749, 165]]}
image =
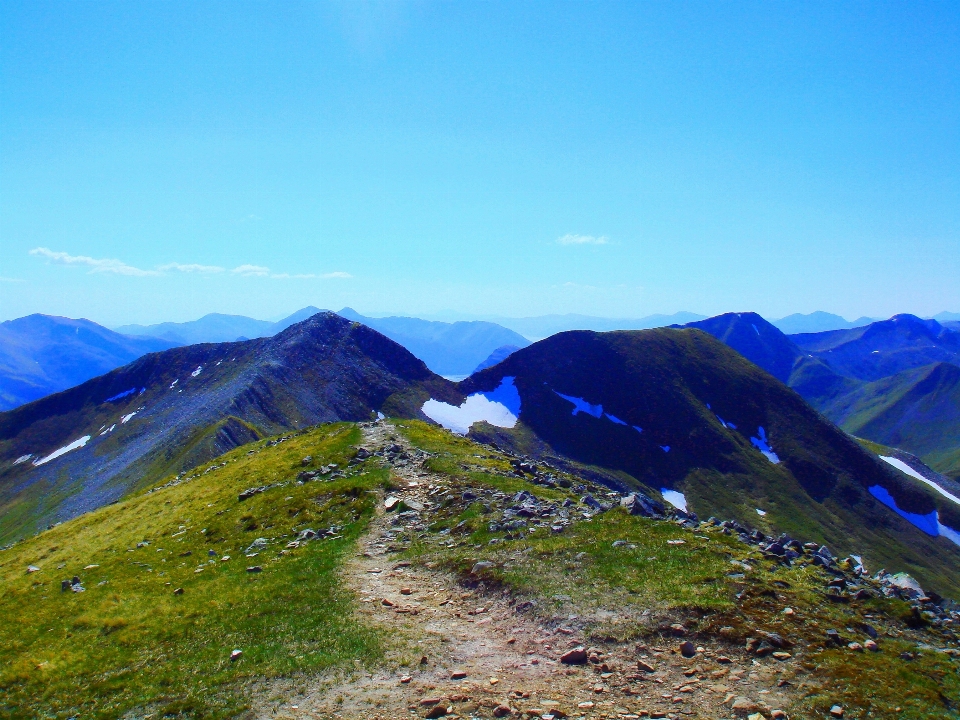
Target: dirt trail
{"points": [[483, 658]]}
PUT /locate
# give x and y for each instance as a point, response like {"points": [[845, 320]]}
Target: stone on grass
{"points": [[481, 566], [836, 711], [235, 655]]}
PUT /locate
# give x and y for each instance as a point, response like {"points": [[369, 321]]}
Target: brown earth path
{"points": [[482, 657]]}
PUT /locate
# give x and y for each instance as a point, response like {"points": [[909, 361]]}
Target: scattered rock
{"points": [[481, 566], [504, 711], [254, 569], [235, 655], [178, 591], [577, 656], [645, 666], [32, 569], [458, 675], [836, 711], [687, 649]]}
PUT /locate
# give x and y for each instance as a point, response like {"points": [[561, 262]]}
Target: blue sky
{"points": [[159, 161]]}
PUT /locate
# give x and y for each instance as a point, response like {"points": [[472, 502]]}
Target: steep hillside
{"points": [[446, 348], [885, 348], [82, 448], [915, 410], [43, 354], [676, 412]]}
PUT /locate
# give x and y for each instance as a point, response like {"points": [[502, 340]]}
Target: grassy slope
{"points": [[129, 641]]}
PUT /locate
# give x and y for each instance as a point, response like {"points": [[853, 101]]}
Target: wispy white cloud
{"points": [[251, 271], [191, 268], [118, 267], [570, 239], [6, 279], [96, 265]]}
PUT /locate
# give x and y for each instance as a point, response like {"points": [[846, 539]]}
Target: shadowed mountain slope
{"points": [[676, 410], [168, 411], [42, 354], [915, 410]]}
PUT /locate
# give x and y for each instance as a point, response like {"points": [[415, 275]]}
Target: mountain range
{"points": [[672, 413], [892, 382]]}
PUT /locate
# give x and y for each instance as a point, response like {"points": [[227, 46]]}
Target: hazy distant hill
{"points": [[447, 348], [81, 448], [43, 354], [539, 327], [817, 322], [216, 327]]}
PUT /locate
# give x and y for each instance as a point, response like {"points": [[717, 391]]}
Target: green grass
{"points": [[129, 642]]}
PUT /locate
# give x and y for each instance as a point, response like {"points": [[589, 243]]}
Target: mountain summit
{"points": [[168, 411]]}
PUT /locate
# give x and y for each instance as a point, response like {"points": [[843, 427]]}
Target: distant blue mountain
{"points": [[44, 354], [537, 328], [497, 357], [818, 321], [451, 349]]}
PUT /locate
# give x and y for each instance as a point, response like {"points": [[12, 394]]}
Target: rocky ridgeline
{"points": [[516, 515]]}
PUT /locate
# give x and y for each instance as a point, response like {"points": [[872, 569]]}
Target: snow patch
{"points": [[499, 407], [637, 428], [761, 513], [755, 328], [763, 446], [79, 443], [126, 418], [614, 419], [173, 383], [726, 424], [904, 468], [675, 498], [665, 448], [380, 415], [928, 523], [197, 371], [109, 429], [23, 458], [581, 405]]}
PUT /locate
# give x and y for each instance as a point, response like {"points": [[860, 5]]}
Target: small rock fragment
{"points": [[577, 656], [836, 711], [235, 655], [687, 649]]}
